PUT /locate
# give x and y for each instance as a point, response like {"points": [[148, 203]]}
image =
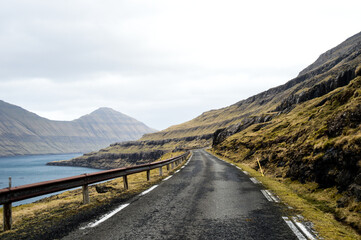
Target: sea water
{"points": [[32, 169]]}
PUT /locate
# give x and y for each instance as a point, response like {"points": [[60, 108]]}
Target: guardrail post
{"points": [[172, 165], [160, 171], [125, 180], [167, 167], [85, 194], [148, 175], [7, 216]]}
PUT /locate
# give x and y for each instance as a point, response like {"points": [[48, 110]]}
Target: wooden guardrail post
{"points": [[7, 216], [125, 180], [85, 194], [7, 213], [167, 167], [148, 175], [161, 171]]}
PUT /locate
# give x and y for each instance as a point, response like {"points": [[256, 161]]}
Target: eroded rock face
{"points": [[221, 134], [350, 118], [318, 90]]}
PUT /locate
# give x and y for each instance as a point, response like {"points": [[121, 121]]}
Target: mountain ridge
{"points": [[314, 81], [23, 132]]}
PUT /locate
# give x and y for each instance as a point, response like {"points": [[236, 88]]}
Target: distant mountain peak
{"points": [[24, 132], [105, 109]]}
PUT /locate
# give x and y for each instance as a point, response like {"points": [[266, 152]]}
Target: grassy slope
{"points": [[304, 135]]}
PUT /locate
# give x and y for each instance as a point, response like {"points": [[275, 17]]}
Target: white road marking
{"points": [[294, 229], [239, 168], [148, 190], [182, 167], [272, 196], [165, 179], [266, 195], [177, 171], [112, 213], [255, 181], [303, 229], [245, 172], [105, 217]]}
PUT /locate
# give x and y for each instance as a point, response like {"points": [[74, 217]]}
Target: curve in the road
{"points": [[207, 199]]}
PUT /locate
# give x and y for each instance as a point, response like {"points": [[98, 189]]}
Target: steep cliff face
{"points": [[23, 132]]}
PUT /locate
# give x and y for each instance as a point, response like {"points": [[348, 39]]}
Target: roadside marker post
{"points": [[260, 168]]}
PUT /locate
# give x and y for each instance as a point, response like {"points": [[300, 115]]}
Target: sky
{"points": [[162, 62]]}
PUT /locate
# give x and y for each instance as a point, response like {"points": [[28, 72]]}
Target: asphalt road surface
{"points": [[207, 199]]}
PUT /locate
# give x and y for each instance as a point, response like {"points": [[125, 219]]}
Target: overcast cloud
{"points": [[161, 62]]}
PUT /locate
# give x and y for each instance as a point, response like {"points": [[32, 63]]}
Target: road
{"points": [[207, 199]]}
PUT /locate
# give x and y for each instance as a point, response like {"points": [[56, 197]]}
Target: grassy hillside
{"points": [[318, 141], [334, 69]]}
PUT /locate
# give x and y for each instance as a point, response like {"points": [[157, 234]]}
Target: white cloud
{"points": [[162, 62]]}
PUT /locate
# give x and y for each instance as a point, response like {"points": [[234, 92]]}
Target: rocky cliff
{"points": [[23, 132]]}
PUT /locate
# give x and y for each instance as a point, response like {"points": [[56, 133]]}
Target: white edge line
{"points": [[182, 167], [239, 168], [245, 172], [112, 213], [303, 229], [255, 181], [165, 179], [266, 195], [177, 171], [106, 217], [148, 190], [294, 229], [272, 196]]}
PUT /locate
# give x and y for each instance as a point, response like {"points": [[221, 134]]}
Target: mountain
{"points": [[23, 132], [332, 70], [308, 130]]}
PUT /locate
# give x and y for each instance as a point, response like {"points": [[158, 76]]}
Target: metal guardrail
{"points": [[14, 194]]}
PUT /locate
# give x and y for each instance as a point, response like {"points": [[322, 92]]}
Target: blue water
{"points": [[32, 168]]}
